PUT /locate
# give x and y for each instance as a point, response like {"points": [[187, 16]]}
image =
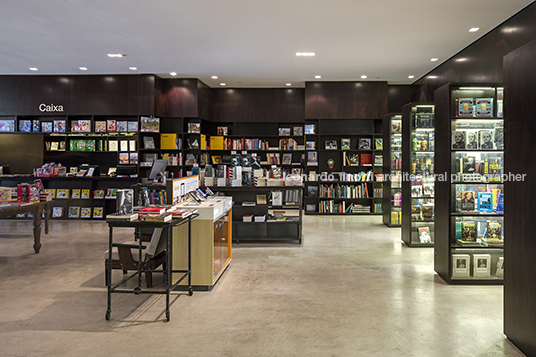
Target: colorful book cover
{"points": [[75, 193], [90, 145], [149, 124], [74, 212], [111, 193], [5, 194], [309, 129], [7, 126], [468, 231], [84, 126], [379, 143], [122, 126], [133, 158], [123, 158], [59, 126], [345, 144], [132, 126], [498, 135], [485, 202], [36, 126], [74, 126], [495, 197], [62, 193], [52, 191], [86, 193], [25, 126], [500, 204], [97, 212], [468, 201], [484, 107], [85, 212], [100, 126], [465, 107], [366, 159], [46, 127], [495, 168], [98, 194], [57, 212], [111, 126]]}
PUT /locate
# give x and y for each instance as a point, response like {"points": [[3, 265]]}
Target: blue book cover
{"points": [[485, 202], [500, 204]]}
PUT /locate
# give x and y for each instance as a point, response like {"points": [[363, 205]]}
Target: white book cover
{"points": [[461, 265], [481, 265]]}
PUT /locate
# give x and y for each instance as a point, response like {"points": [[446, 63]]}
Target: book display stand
{"points": [[469, 222], [392, 169]]}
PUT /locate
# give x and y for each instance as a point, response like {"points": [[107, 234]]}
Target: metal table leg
{"points": [[109, 274]]}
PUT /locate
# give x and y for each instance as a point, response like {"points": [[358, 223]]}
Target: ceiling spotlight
{"points": [[214, 77], [289, 84], [474, 29], [33, 68], [318, 77], [363, 77], [411, 76], [115, 55], [133, 68], [434, 59], [82, 68], [173, 73], [306, 54], [222, 84]]}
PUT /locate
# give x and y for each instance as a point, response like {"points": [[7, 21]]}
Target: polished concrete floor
{"points": [[352, 289]]}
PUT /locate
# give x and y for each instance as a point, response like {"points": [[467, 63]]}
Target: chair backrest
{"points": [[155, 247]]}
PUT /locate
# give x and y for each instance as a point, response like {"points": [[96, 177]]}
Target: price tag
{"points": [[233, 152], [244, 152]]}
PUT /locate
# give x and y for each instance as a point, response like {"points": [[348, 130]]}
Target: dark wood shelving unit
{"points": [[391, 167]]}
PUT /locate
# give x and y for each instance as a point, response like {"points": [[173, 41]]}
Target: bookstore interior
{"points": [[197, 171]]}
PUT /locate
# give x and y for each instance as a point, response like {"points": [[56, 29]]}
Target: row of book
{"points": [[356, 159], [481, 266], [480, 232], [78, 212], [329, 206], [487, 164], [478, 107], [423, 190], [484, 139], [482, 202], [85, 193], [346, 144], [343, 191], [422, 211]]}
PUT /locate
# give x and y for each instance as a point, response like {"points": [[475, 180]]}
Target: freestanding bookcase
{"points": [[392, 169], [418, 143], [470, 199]]}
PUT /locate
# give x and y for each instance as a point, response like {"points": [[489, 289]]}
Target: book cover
{"points": [[352, 159], [468, 165], [132, 145], [98, 194], [123, 158], [416, 191], [486, 140], [331, 145], [485, 202], [379, 143], [222, 131], [345, 143], [111, 126], [499, 108], [481, 265], [468, 232], [495, 168], [113, 145], [194, 128], [284, 131], [471, 139], [484, 107], [500, 267], [498, 135], [460, 265], [310, 145], [500, 204], [148, 142], [364, 144], [85, 193], [458, 139], [85, 212], [84, 126], [298, 131], [7, 126], [46, 127], [111, 193], [100, 126], [133, 158], [97, 212], [494, 232], [62, 193], [25, 126], [122, 126], [428, 189], [312, 158], [310, 129], [75, 193], [465, 107], [123, 145], [468, 201], [424, 235], [396, 127], [366, 159], [59, 126], [35, 126], [149, 124], [74, 212], [287, 159], [57, 212], [132, 127], [51, 191]]}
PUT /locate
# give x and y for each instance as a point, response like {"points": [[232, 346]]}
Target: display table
{"points": [[178, 275], [211, 245], [36, 209]]}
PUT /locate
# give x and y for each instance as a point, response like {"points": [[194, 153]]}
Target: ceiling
{"points": [[246, 43]]}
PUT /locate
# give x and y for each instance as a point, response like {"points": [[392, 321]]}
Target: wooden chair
{"points": [[125, 256]]}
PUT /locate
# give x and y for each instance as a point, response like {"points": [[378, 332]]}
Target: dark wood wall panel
{"points": [[519, 202], [79, 95], [345, 100], [177, 98], [204, 102], [399, 95], [258, 105], [482, 61], [22, 152]]}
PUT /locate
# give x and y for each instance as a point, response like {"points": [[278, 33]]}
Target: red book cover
{"points": [[366, 159]]}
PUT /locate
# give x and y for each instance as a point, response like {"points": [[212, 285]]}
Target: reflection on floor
{"points": [[352, 289]]}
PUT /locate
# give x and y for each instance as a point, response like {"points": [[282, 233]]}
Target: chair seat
{"points": [[115, 254]]}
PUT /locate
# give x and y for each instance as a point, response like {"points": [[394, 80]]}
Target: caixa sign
{"points": [[50, 108]]}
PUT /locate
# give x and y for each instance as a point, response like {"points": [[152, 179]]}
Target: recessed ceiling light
{"points": [[309, 54], [317, 77], [33, 68], [133, 68], [116, 55], [363, 77], [173, 73], [214, 77], [434, 59], [222, 84], [83, 68], [474, 29], [289, 84], [411, 76]]}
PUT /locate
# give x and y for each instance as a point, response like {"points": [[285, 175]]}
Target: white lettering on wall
{"points": [[50, 108]]}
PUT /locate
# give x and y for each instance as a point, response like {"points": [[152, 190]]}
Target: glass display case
{"points": [[392, 168], [418, 190], [474, 191]]}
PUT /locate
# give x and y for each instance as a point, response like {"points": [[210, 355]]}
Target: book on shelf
{"points": [[310, 145], [247, 218], [133, 158], [123, 145], [485, 202], [345, 143], [460, 265], [500, 204], [312, 191], [100, 126], [149, 124], [113, 145], [98, 212], [85, 212], [35, 126], [222, 131], [310, 129], [486, 140], [498, 135], [111, 126], [46, 127], [312, 158], [465, 107], [148, 142], [481, 265], [287, 159], [98, 194], [364, 144], [468, 234], [467, 201], [396, 127], [74, 212], [471, 139], [25, 126], [284, 131], [493, 235], [85, 193], [59, 126], [111, 193], [297, 131], [261, 199], [57, 212], [75, 193], [365, 159], [62, 193], [378, 143], [132, 127], [194, 128], [484, 107], [468, 164], [261, 218], [458, 139], [159, 218], [500, 264], [123, 158], [424, 235], [331, 145], [122, 126], [351, 158], [416, 191]]}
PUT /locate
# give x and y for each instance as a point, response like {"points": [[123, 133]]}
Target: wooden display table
{"points": [[35, 208]]}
